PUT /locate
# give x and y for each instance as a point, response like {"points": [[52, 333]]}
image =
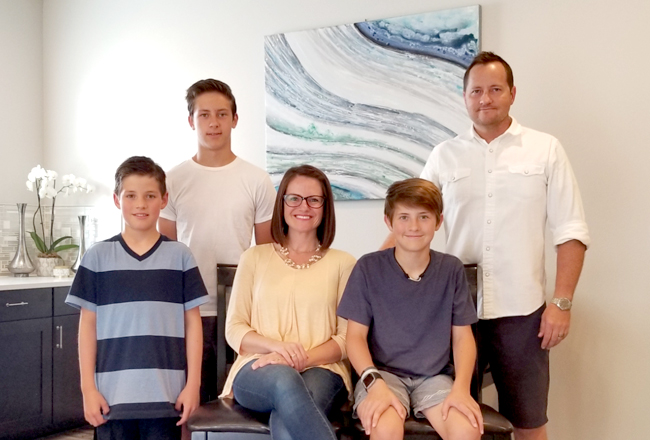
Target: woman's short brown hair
{"points": [[413, 192], [327, 228]]}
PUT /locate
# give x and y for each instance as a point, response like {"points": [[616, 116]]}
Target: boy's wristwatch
{"points": [[370, 378], [563, 304]]}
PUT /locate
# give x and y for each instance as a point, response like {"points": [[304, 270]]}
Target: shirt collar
{"points": [[513, 130]]}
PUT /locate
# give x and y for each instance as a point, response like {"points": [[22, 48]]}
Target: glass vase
{"points": [[82, 243], [21, 265]]}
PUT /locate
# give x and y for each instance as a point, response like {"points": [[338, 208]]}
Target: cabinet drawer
{"points": [[25, 304]]}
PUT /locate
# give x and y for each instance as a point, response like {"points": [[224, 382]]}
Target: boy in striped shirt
{"points": [[140, 328]]}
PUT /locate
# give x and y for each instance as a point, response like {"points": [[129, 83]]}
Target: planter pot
{"points": [[46, 266]]}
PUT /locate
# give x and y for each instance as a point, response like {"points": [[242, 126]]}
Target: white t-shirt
{"points": [[498, 198], [215, 209]]}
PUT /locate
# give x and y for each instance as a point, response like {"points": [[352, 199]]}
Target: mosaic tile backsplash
{"points": [[66, 222]]}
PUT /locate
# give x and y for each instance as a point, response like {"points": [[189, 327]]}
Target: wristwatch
{"points": [[564, 304], [370, 379]]}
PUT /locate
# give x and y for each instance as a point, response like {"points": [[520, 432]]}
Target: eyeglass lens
{"points": [[294, 200]]}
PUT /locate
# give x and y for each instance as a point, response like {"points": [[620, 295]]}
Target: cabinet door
{"points": [[66, 399], [26, 371], [60, 308]]}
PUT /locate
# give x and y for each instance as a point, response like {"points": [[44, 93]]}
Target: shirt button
{"points": [[487, 248], [489, 171], [489, 222], [453, 178], [491, 150], [490, 195], [487, 274], [526, 172]]}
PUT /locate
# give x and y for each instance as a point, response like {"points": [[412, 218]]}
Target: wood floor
{"points": [[75, 434]]}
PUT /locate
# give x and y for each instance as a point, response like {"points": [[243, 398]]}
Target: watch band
{"points": [[367, 371]]}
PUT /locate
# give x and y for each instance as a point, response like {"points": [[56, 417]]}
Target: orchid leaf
{"points": [[65, 247], [61, 239], [40, 245]]}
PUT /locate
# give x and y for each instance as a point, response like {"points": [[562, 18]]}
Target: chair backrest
{"points": [[225, 278], [471, 272]]}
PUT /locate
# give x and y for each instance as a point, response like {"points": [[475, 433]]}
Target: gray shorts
{"points": [[418, 393]]}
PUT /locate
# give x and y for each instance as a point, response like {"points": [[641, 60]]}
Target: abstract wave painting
{"points": [[367, 102]]}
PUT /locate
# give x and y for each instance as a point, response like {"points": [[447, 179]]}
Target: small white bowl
{"points": [[61, 271]]}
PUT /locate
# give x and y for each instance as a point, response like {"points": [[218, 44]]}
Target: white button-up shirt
{"points": [[497, 200]]}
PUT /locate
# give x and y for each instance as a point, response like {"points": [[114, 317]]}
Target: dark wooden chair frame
{"points": [[226, 419]]}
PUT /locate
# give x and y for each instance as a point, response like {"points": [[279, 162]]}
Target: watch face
{"points": [[370, 379], [562, 303]]}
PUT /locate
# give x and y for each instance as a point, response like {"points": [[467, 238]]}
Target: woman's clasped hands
{"points": [[292, 354]]}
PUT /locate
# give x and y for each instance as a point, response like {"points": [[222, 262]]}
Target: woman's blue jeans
{"points": [[298, 402]]}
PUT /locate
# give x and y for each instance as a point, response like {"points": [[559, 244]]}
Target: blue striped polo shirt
{"points": [[140, 302]]}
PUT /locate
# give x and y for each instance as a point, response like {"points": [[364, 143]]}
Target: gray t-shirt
{"points": [[409, 322]]}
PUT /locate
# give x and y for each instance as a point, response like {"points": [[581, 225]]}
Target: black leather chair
{"points": [[226, 419]]}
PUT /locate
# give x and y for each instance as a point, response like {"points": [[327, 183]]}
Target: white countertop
{"points": [[32, 282]]}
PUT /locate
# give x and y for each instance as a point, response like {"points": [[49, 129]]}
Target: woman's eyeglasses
{"points": [[294, 200]]}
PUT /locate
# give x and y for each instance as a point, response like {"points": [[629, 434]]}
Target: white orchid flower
{"points": [[52, 175], [50, 192], [49, 185], [38, 172], [80, 182], [89, 189], [68, 179], [47, 191], [30, 185]]}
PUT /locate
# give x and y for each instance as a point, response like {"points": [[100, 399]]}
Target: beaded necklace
{"points": [[289, 262]]}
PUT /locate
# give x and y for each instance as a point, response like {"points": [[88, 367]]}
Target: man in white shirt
{"points": [[216, 201], [501, 184]]}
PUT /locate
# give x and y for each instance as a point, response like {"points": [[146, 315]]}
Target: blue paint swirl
{"points": [[366, 110]]}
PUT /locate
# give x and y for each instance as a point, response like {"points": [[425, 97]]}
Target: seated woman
{"points": [[282, 314]]}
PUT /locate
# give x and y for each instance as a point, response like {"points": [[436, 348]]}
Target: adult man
{"points": [[216, 200], [501, 184]]}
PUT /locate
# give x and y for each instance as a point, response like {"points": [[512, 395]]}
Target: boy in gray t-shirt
{"points": [[406, 307]]}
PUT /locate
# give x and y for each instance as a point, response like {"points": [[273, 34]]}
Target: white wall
{"points": [[115, 73], [21, 96]]}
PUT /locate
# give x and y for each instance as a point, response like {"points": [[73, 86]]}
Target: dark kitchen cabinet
{"points": [[25, 361], [39, 389]]}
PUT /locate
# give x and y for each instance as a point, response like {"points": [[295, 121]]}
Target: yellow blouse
{"points": [[286, 304]]}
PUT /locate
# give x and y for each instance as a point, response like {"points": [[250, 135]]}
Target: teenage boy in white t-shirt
{"points": [[216, 201]]}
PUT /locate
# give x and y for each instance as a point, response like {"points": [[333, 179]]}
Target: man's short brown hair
{"points": [[141, 166], [209, 85], [487, 58], [327, 228], [413, 192]]}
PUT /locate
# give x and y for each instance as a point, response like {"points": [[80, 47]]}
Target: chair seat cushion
{"points": [[226, 415]]}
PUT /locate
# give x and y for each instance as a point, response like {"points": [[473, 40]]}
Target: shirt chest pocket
{"points": [[456, 183], [527, 181]]}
